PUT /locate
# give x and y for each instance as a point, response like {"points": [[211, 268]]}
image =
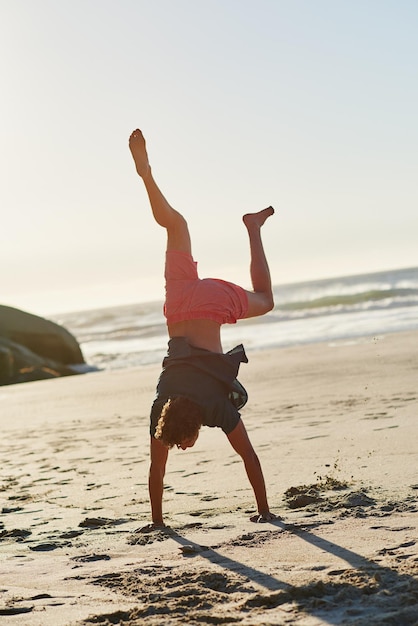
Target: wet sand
{"points": [[336, 430]]}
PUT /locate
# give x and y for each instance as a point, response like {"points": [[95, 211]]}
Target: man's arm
{"points": [[159, 454], [242, 445]]}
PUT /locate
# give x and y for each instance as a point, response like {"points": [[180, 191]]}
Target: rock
{"points": [[39, 335], [34, 348]]}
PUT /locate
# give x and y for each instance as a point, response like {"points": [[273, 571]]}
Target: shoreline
{"points": [[335, 428]]}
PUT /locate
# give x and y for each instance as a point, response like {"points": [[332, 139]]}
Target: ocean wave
{"points": [[346, 300]]}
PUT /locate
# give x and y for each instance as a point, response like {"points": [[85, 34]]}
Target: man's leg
{"points": [[260, 300], [178, 237]]}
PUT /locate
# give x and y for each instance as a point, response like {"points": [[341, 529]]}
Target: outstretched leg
{"points": [[178, 237], [260, 300]]}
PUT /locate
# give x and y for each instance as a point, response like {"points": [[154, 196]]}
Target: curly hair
{"points": [[179, 421]]}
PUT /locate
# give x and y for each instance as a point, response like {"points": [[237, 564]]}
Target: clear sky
{"points": [[308, 105]]}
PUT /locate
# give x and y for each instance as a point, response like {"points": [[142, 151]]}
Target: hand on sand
{"points": [[149, 528], [263, 518]]}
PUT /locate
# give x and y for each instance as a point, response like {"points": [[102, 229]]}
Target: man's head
{"points": [[179, 423]]}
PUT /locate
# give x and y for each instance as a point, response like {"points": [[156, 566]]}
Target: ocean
{"points": [[345, 308]]}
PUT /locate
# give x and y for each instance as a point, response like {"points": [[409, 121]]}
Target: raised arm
{"points": [[242, 445], [159, 454]]}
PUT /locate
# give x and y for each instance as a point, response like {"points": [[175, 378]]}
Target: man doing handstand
{"points": [[198, 383]]}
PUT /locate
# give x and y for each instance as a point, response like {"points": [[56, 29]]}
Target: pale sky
{"points": [[307, 105]]}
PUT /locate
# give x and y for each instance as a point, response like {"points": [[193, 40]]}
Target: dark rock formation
{"points": [[33, 348]]}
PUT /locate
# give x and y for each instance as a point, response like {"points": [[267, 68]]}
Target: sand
{"points": [[336, 430]]}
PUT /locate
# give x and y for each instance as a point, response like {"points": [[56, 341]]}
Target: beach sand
{"points": [[336, 430]]}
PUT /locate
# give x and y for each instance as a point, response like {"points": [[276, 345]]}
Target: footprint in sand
{"points": [[47, 547], [71, 534], [89, 558], [13, 509], [100, 522], [15, 610], [377, 416], [15, 533]]}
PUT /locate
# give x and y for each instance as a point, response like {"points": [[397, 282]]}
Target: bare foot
{"points": [[266, 517], [256, 220], [139, 152]]}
